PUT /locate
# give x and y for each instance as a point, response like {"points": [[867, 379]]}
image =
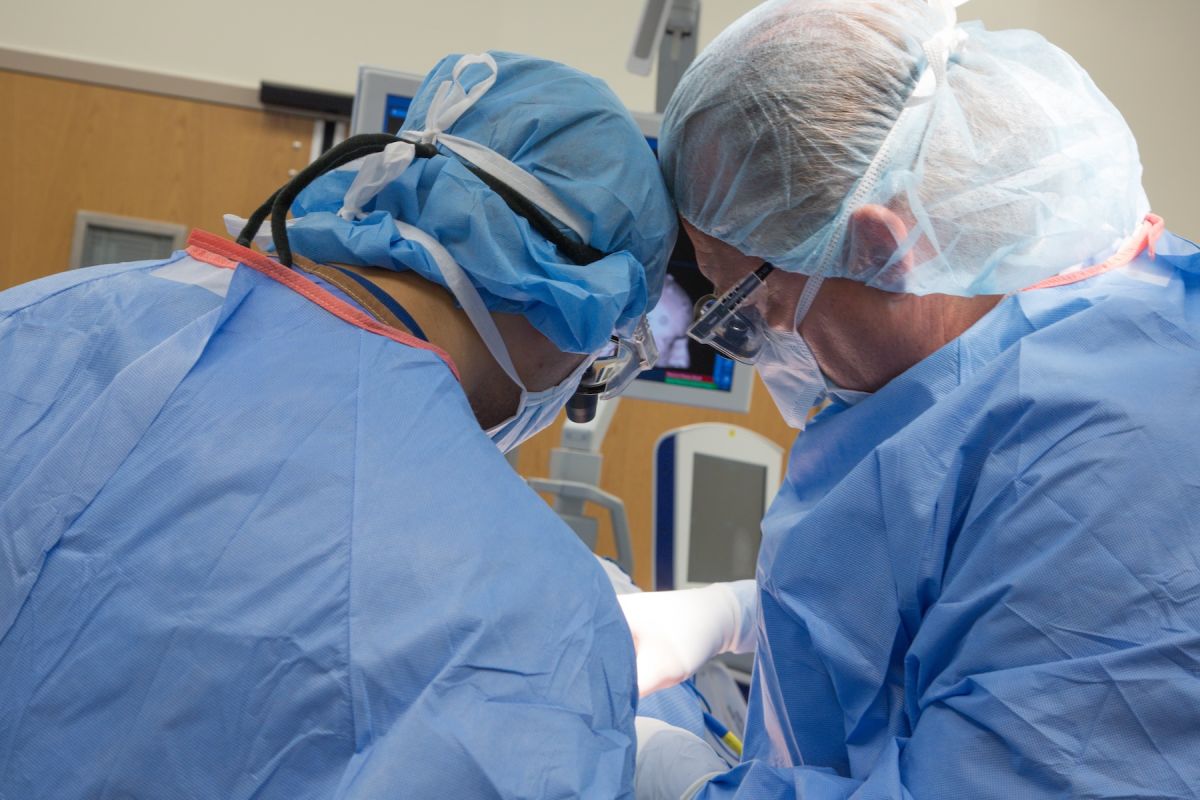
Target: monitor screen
{"points": [[681, 360], [728, 503], [395, 112]]}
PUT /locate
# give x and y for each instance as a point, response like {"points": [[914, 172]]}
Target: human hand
{"points": [[671, 763], [675, 632]]}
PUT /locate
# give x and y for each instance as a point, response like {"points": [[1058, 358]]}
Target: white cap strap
{"points": [[450, 102], [526, 184], [376, 171], [467, 296]]}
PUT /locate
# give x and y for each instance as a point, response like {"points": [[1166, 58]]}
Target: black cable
{"points": [[579, 252], [335, 157], [280, 202], [347, 151]]}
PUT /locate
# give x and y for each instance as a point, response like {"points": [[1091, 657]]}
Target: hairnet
{"points": [[995, 150], [562, 126]]}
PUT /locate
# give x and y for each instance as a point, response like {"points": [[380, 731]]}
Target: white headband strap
{"points": [[450, 102]]}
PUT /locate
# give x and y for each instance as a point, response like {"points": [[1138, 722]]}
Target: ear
{"points": [[872, 238]]}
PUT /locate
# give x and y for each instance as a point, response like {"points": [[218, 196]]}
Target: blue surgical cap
{"points": [[993, 157], [558, 124]]}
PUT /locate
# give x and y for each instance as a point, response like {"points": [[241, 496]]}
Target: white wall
{"points": [[321, 44], [1142, 53], [1145, 56]]}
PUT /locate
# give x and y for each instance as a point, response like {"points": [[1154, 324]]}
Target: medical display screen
{"points": [[727, 510], [395, 113], [682, 361]]}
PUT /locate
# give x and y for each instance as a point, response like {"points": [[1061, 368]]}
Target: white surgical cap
{"points": [[994, 148]]}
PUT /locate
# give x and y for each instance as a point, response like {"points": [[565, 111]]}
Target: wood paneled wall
{"points": [[66, 146]]}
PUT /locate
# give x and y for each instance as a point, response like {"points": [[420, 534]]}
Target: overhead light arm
{"points": [[668, 30]]}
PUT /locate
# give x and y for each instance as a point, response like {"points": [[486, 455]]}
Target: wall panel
{"points": [[66, 146]]}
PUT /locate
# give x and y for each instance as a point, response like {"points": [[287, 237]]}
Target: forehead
{"points": [[721, 263]]}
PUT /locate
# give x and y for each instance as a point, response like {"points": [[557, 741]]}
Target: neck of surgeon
{"points": [[864, 337], [492, 394]]}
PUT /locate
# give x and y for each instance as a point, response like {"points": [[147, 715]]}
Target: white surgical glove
{"points": [[672, 764], [676, 632]]}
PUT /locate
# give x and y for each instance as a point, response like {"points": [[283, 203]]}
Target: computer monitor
{"points": [[688, 373], [382, 99], [712, 485]]}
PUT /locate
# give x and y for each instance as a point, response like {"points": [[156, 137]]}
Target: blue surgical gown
{"points": [[984, 580], [250, 550]]}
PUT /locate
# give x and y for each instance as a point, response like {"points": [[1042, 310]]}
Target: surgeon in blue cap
{"points": [[258, 538], [981, 576]]}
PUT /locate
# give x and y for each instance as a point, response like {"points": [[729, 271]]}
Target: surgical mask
{"points": [[795, 381], [788, 367], [536, 410], [847, 397], [790, 372]]}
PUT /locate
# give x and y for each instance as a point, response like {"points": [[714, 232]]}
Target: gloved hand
{"points": [[672, 764], [676, 632]]}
